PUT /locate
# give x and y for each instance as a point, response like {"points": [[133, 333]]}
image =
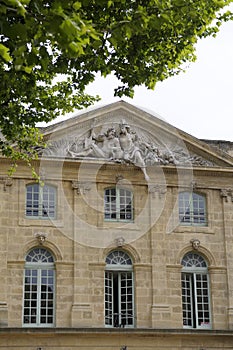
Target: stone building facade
{"points": [[127, 242]]}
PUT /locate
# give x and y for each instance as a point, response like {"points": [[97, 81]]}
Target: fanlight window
{"points": [[40, 201], [119, 290], [195, 292], [39, 255], [118, 204], [192, 209], [193, 260], [118, 258], [39, 285]]}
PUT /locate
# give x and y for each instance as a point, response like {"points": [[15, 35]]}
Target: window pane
{"points": [[192, 208], [118, 257], [30, 296], [32, 200], [126, 314], [108, 299], [39, 288], [195, 291], [118, 204], [187, 300], [202, 300], [40, 201], [110, 203], [119, 303], [48, 202], [46, 307]]}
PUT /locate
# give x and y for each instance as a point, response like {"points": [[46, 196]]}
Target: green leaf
{"points": [[76, 47], [4, 52], [69, 27], [18, 4], [77, 5]]}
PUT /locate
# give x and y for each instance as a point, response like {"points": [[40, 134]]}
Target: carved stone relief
{"points": [[123, 144], [227, 193], [81, 187], [7, 181], [41, 237], [195, 243]]}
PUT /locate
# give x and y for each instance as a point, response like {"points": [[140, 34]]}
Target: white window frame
{"points": [[190, 214], [37, 205], [122, 273], [195, 292], [115, 209], [39, 274]]}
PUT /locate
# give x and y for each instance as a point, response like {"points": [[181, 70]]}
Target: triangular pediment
{"points": [[121, 132]]}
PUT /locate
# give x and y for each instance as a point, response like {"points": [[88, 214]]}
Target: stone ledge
{"points": [[109, 331]]}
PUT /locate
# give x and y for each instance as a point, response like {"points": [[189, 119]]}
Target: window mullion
{"points": [[119, 298], [40, 209], [191, 208], [195, 304], [38, 296], [118, 204]]}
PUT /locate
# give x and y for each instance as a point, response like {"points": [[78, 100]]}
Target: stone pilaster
{"points": [[227, 204]]}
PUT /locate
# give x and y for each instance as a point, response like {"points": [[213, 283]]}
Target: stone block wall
{"points": [[80, 240]]}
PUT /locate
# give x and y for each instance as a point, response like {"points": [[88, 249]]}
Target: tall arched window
{"points": [[39, 284], [192, 209], [195, 292], [40, 201], [118, 204], [119, 290]]}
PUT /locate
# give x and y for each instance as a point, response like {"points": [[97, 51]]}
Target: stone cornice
{"points": [[7, 331]]}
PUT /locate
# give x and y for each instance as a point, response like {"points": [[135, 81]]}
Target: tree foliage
{"points": [[51, 50]]}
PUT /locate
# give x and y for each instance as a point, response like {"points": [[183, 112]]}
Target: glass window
{"points": [[195, 292], [192, 209], [40, 201], [119, 290], [118, 204], [39, 276]]}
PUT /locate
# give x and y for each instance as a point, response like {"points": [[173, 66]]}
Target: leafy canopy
{"points": [[140, 41]]}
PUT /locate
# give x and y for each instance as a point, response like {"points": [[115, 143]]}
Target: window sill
{"points": [[40, 222], [207, 327], [28, 325], [194, 229], [119, 225]]}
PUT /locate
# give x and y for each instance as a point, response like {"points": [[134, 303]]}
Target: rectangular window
{"points": [[39, 297], [192, 209], [119, 310], [195, 300], [40, 201], [118, 204]]}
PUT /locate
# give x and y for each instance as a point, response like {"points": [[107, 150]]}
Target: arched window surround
{"points": [[39, 288]]}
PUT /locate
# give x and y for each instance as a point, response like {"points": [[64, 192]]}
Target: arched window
{"points": [[39, 284], [119, 290], [40, 201], [192, 209], [195, 292], [118, 204]]}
